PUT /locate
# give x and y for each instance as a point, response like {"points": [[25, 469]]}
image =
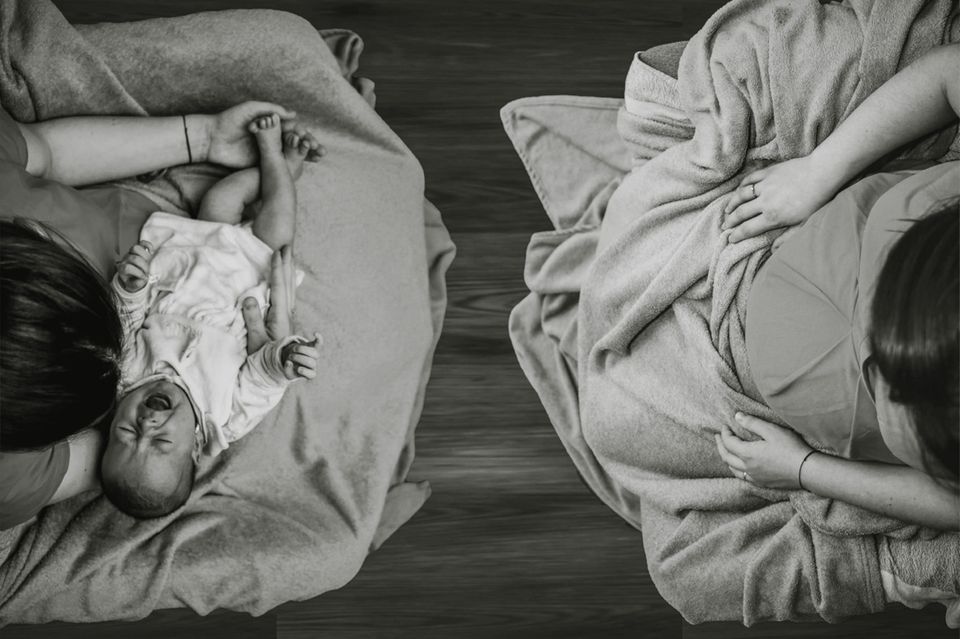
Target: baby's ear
{"points": [[197, 453]]}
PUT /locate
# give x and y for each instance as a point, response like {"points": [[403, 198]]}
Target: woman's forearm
{"points": [[90, 149], [81, 476], [896, 491], [921, 98]]}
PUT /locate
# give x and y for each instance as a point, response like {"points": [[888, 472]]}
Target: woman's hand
{"points": [[782, 194], [279, 320], [773, 461], [226, 140]]}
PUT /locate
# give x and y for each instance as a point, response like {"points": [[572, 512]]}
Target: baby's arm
{"points": [[781, 459], [264, 378], [130, 286]]}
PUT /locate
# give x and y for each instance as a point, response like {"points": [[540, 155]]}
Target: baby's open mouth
{"points": [[157, 401]]}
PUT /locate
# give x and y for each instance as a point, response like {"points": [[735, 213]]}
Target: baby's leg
{"points": [[227, 199], [274, 222]]}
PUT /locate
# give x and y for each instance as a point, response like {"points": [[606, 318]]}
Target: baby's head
{"points": [[148, 467]]}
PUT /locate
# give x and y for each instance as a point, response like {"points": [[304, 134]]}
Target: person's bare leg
{"points": [[227, 199], [236, 197], [296, 150], [275, 219]]}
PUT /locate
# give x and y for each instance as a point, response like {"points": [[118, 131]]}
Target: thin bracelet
{"points": [[800, 470], [187, 138]]}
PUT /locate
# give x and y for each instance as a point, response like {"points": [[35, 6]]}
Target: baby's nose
{"points": [[147, 418]]}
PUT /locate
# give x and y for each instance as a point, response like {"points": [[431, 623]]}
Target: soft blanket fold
{"points": [[633, 331], [291, 510]]}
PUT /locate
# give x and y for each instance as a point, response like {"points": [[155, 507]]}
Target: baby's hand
{"points": [[773, 461], [299, 359], [134, 269]]}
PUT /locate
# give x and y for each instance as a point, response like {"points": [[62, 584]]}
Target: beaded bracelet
{"points": [[800, 470]]}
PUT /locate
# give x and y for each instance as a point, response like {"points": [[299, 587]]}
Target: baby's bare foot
{"points": [[266, 129], [295, 150]]}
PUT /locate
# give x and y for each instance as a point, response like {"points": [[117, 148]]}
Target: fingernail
{"points": [[738, 416]]}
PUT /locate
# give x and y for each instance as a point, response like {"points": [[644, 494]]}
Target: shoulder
{"points": [[28, 481]]}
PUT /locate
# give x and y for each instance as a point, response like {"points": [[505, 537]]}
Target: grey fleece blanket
{"points": [[633, 331], [293, 509]]}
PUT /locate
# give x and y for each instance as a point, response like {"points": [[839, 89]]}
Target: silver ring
{"points": [[753, 187]]}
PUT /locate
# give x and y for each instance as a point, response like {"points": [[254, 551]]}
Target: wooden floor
{"points": [[511, 544]]}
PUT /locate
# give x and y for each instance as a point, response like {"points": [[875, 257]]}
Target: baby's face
{"points": [[151, 436]]}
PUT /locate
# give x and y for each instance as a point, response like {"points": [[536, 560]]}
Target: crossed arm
{"points": [[778, 458], [90, 149], [920, 99]]}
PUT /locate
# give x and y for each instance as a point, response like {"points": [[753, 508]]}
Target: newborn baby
{"points": [[189, 386]]}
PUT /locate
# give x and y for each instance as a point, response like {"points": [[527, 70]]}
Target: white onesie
{"points": [[186, 326]]}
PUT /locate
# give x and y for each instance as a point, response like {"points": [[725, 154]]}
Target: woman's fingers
{"points": [[744, 191], [255, 109], [742, 213], [731, 460], [290, 276], [279, 291], [757, 225], [737, 197], [282, 289], [256, 329], [732, 443]]}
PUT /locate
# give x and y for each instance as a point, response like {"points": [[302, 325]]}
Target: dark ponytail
{"points": [[914, 333], [60, 339]]}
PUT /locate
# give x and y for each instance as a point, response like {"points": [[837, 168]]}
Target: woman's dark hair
{"points": [[60, 339], [914, 333]]}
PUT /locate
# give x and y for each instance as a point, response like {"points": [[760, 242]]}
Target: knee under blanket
{"points": [[292, 510], [633, 331]]}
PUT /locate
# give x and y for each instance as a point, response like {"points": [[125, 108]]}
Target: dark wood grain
{"points": [[511, 544], [163, 624]]}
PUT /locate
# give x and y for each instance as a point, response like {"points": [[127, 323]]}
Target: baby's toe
{"points": [[291, 139]]}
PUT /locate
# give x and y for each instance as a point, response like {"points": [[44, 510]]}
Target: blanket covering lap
{"points": [[633, 335], [293, 509]]}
